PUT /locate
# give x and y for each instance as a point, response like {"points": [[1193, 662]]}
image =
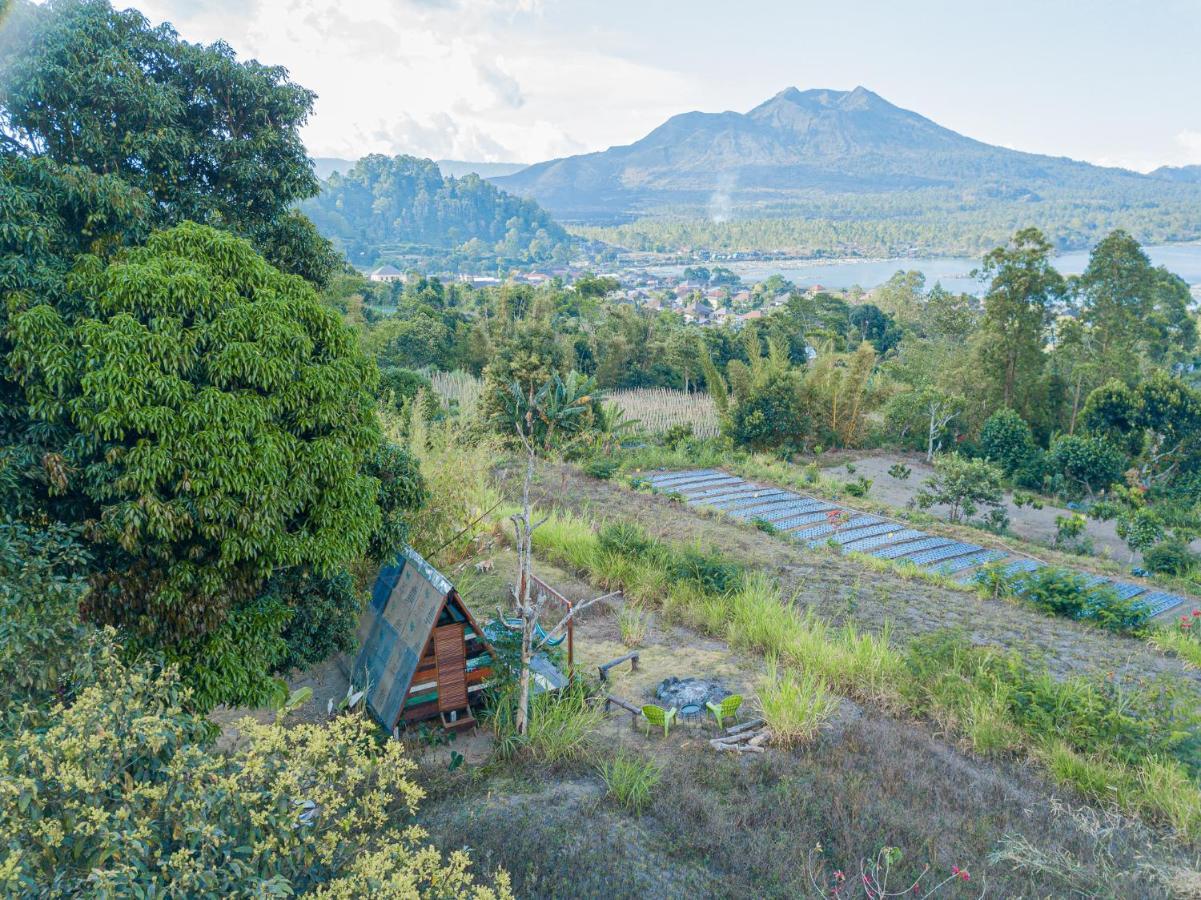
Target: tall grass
{"points": [[796, 705], [634, 622], [1179, 643], [658, 409], [458, 390], [560, 729], [630, 780], [456, 473]]}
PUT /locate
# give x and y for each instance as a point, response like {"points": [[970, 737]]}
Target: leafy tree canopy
{"points": [[386, 207], [215, 418]]}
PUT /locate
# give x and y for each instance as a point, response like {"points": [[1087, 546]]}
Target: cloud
{"points": [[438, 137], [475, 79]]}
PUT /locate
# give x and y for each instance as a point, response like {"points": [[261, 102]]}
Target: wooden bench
{"points": [[634, 711], [604, 668]]}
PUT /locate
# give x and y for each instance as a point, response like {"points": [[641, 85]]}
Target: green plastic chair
{"points": [[727, 709], [658, 717]]}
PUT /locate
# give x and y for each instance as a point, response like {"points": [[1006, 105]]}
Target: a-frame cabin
{"points": [[423, 656]]}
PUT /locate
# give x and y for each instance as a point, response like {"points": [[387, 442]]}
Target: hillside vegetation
{"points": [[402, 209]]}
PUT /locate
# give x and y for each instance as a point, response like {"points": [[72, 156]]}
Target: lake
{"points": [[952, 272]]}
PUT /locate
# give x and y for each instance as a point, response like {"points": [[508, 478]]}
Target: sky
{"points": [[1110, 82]]}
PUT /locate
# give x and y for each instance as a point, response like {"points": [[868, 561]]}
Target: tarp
{"points": [[405, 602]]}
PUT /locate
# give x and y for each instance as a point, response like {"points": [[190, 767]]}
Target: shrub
{"points": [[709, 570], [795, 705], [1063, 592], [286, 811], [677, 434], [900, 471], [602, 467], [400, 386], [859, 487], [1172, 557], [1068, 528], [772, 414], [1006, 439], [626, 538], [630, 780], [961, 484], [1140, 528], [1084, 464]]}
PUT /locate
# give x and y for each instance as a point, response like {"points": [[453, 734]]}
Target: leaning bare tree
{"points": [[544, 418]]}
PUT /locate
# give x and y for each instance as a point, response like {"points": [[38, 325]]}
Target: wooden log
{"points": [[735, 748], [634, 711], [745, 726], [605, 667]]}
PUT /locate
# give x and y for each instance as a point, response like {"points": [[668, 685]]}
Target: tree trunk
{"points": [[525, 549]]}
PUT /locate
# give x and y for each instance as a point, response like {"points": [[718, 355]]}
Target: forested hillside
{"points": [[398, 209]]}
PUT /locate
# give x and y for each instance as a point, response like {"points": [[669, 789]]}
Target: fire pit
{"points": [[690, 692]]}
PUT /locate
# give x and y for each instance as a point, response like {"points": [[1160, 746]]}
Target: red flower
{"points": [[954, 870], [965, 876], [1196, 612]]}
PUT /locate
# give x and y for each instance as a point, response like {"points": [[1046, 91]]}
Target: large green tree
{"points": [[1023, 286], [1134, 310], [218, 419], [202, 135]]}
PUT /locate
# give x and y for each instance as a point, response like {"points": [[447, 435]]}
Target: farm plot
{"points": [[814, 522]]}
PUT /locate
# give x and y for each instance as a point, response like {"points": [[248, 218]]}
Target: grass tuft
{"points": [[795, 704], [630, 780]]}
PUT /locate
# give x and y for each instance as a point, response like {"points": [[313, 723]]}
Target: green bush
{"points": [[859, 487], [1063, 592], [1132, 725], [772, 415], [962, 484], [1171, 558], [677, 434], [627, 538], [602, 467], [1006, 439], [709, 570], [1084, 464]]}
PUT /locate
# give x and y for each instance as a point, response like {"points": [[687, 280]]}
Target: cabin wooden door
{"points": [[450, 654]]}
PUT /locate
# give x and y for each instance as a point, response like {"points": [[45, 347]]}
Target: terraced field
{"points": [[816, 522]]}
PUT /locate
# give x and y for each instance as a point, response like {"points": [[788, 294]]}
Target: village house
{"points": [[699, 312], [386, 273]]}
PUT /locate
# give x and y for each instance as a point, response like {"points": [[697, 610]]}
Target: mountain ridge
{"points": [[797, 145]]}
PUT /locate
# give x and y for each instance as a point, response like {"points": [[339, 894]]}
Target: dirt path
{"points": [[841, 590]]}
